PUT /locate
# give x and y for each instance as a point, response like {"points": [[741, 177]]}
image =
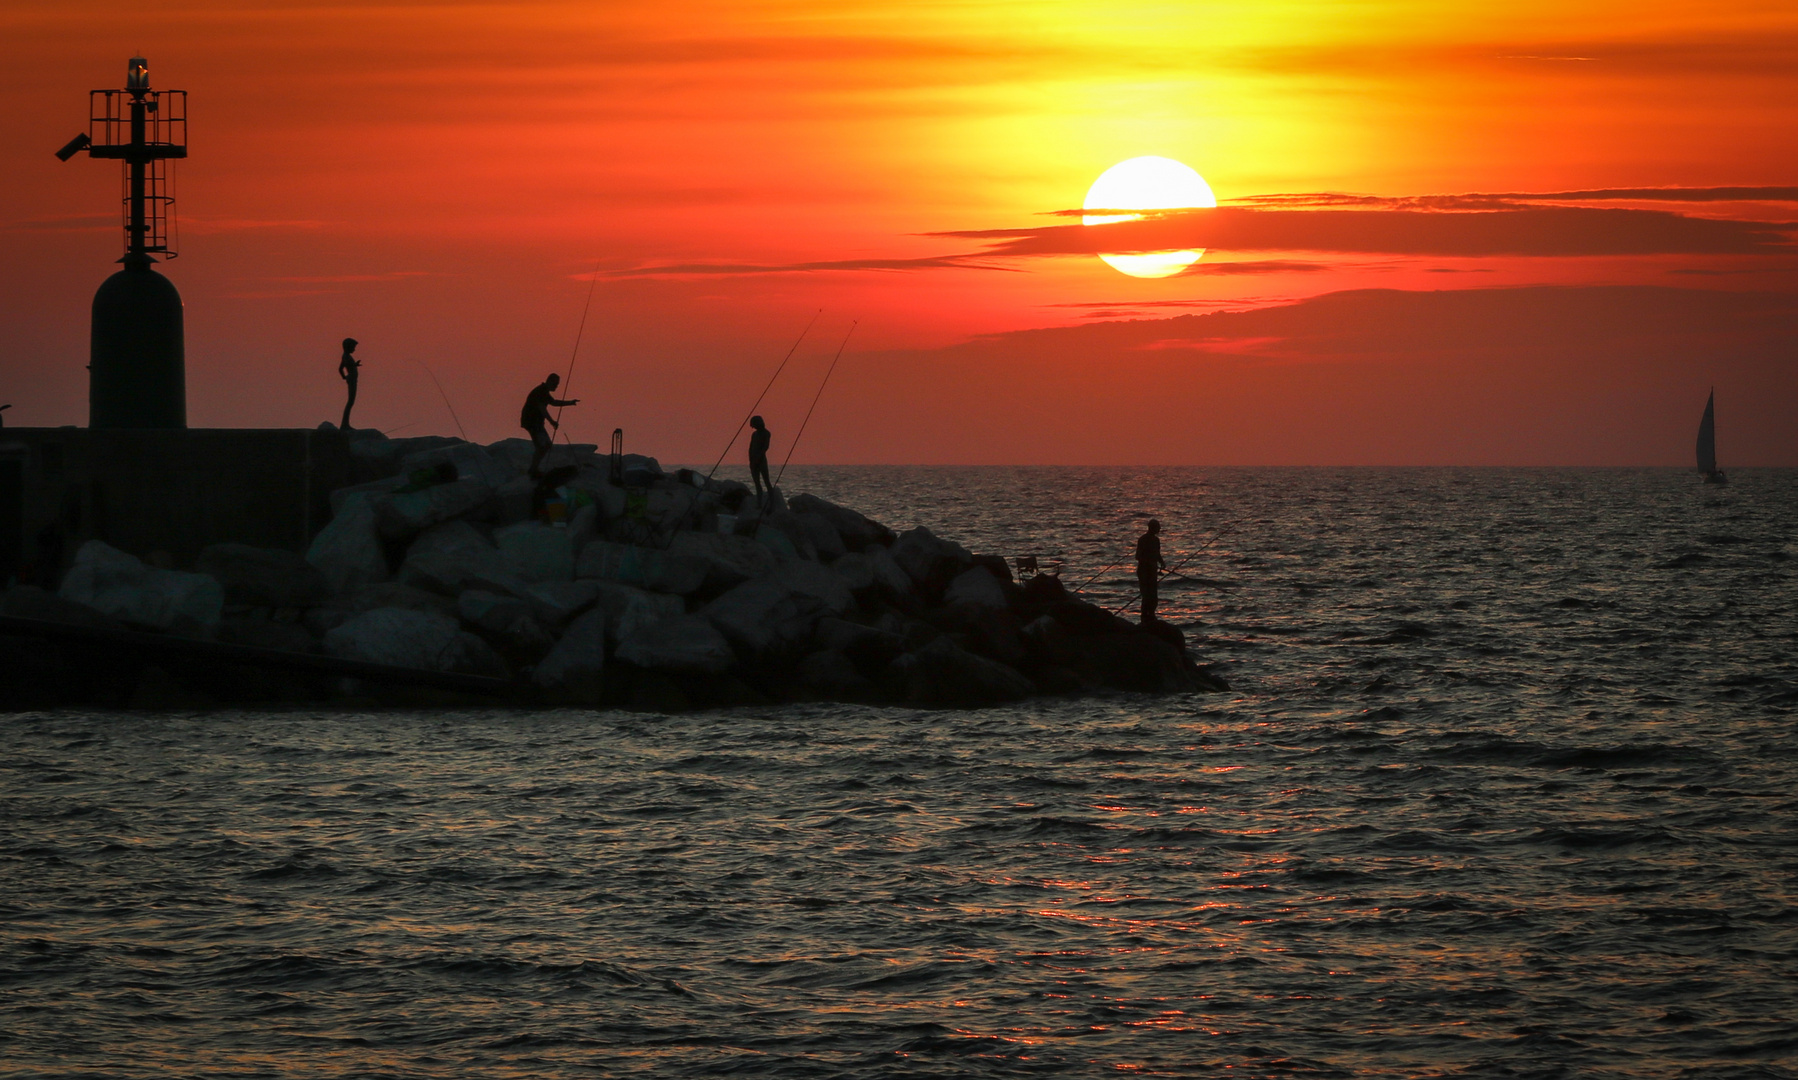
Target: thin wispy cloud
{"points": [[1565, 231], [1553, 224], [929, 262]]}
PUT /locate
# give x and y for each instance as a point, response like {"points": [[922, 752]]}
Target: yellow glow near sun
{"points": [[1147, 183]]}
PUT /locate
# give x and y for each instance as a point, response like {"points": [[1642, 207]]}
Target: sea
{"points": [[1506, 785]]}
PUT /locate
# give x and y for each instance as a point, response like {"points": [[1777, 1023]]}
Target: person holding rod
{"points": [[536, 414]]}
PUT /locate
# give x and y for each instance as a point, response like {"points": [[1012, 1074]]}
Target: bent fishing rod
{"points": [[1082, 586], [440, 393], [1169, 572], [794, 445], [764, 393], [568, 379]]}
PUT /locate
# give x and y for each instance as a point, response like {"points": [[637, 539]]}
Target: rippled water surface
{"points": [[1506, 787]]}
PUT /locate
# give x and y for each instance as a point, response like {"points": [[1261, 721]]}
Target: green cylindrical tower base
{"points": [[137, 370]]}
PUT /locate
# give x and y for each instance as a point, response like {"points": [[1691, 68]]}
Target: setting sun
{"points": [[1147, 183]]}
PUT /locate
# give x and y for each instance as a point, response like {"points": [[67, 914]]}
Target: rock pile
{"points": [[675, 591]]}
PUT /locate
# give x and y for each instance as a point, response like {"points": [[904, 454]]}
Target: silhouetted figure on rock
{"points": [[1149, 565], [349, 368], [536, 414], [758, 457]]}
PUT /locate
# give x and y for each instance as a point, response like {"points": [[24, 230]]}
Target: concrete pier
{"points": [[161, 491]]}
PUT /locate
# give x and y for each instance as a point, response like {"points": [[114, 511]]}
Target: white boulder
{"points": [[404, 514], [556, 602], [684, 644], [856, 570], [944, 675], [536, 551], [452, 573], [823, 535], [887, 571], [928, 559], [509, 619], [453, 536], [976, 587], [646, 568], [348, 551], [764, 618], [121, 585], [629, 609], [819, 582], [471, 462], [729, 560], [858, 532], [397, 636], [574, 671]]}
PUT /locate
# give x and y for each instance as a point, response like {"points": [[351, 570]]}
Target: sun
{"points": [[1147, 183]]}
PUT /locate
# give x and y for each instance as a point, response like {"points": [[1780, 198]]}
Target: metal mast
{"points": [[137, 369]]}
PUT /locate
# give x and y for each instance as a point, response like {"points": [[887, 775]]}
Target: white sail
{"points": [[1707, 437]]}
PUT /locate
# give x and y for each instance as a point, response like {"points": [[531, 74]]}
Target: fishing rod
{"points": [[1169, 572], [764, 393], [1097, 576], [568, 379], [808, 413], [444, 396], [1082, 586]]}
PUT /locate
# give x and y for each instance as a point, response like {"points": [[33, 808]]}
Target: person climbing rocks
{"points": [[349, 367], [758, 457], [1149, 565], [536, 414]]}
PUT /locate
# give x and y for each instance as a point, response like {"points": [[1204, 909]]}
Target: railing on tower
{"points": [[148, 127]]}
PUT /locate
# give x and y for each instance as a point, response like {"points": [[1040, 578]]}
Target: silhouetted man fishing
{"points": [[758, 457], [1149, 565], [536, 414], [349, 367]]}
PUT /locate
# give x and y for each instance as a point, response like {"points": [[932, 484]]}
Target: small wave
{"points": [[1164, 835], [1619, 757], [285, 970], [1411, 630], [302, 869], [930, 971], [1479, 746], [1597, 839], [1060, 826], [1420, 840]]}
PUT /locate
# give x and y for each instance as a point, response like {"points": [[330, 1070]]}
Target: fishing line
{"points": [[444, 396], [764, 393], [568, 379], [808, 413]]}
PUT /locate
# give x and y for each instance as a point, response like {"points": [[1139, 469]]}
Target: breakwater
{"points": [[606, 581]]}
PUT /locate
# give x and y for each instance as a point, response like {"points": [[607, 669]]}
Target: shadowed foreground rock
{"points": [[674, 592]]}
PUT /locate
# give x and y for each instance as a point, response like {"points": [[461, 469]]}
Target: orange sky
{"points": [[439, 180]]}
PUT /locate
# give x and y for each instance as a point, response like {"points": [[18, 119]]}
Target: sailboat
{"points": [[1707, 443]]}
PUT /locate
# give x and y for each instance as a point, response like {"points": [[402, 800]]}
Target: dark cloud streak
{"points": [[930, 262], [1530, 231]]}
